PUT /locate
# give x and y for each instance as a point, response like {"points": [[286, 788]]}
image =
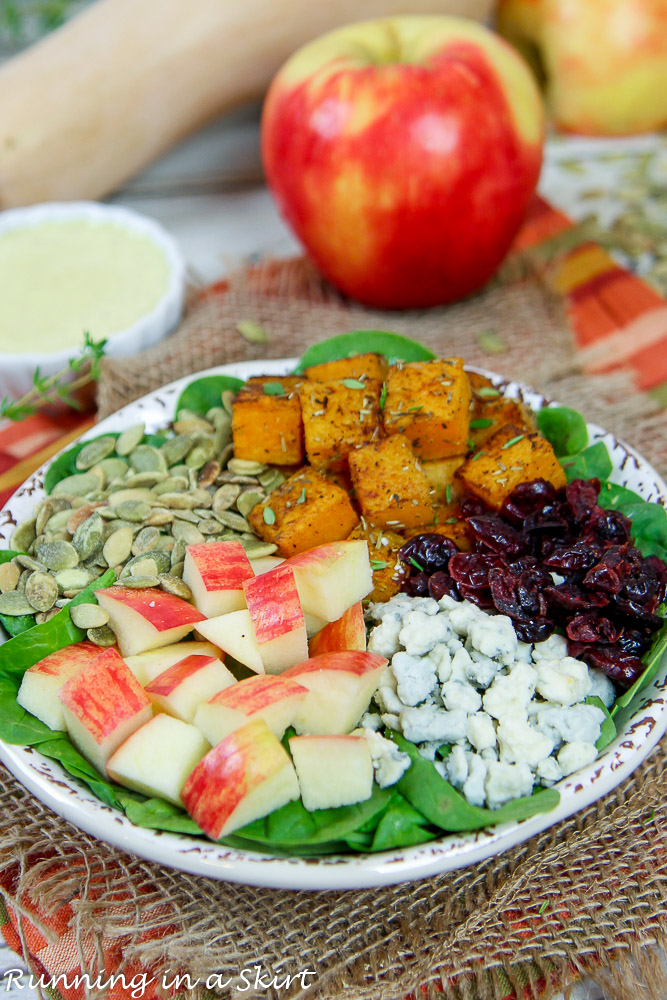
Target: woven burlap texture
{"points": [[586, 897]]}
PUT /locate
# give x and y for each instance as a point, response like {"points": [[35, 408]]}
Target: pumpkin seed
{"points": [[130, 439], [174, 585], [42, 617], [102, 636], [271, 479], [78, 517], [138, 582], [133, 510], [146, 458], [227, 398], [119, 496], [178, 501], [88, 536], [249, 499], [23, 579], [9, 576], [225, 496], [147, 479], [232, 477], [202, 453], [146, 540], [256, 550], [225, 454], [73, 579], [178, 551], [28, 562], [118, 546], [175, 449], [14, 603], [187, 532], [79, 485], [44, 513], [165, 544], [58, 555], [173, 484], [245, 467], [177, 568], [208, 474], [112, 468], [192, 424], [158, 517], [87, 616], [42, 591], [94, 452], [187, 515], [232, 520], [209, 527], [24, 535]]}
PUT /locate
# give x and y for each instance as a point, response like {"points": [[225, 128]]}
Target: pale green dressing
{"points": [[61, 279]]}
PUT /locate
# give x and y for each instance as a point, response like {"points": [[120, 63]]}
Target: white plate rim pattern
{"points": [[45, 779]]}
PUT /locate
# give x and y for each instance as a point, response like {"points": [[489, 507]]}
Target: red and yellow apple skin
{"points": [[146, 619], [349, 632], [604, 62], [404, 153]]}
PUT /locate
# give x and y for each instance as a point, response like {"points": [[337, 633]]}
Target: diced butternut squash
{"points": [[440, 474], [337, 417], [388, 570], [491, 411], [510, 457], [370, 366], [304, 511], [390, 485], [266, 422], [429, 402]]}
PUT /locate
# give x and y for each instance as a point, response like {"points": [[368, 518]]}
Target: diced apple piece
{"points": [[264, 563], [340, 688], [214, 572], [332, 577], [41, 683], [246, 776], [146, 666], [147, 618], [277, 618], [234, 634], [158, 757], [102, 705], [181, 688], [332, 770], [273, 699], [349, 632]]}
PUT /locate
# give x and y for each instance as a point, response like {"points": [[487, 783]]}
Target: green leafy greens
{"points": [[204, 393], [346, 345]]}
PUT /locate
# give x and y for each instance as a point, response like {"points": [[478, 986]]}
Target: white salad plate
{"points": [[45, 779]]}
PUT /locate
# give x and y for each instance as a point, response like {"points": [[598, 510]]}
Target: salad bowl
{"points": [[641, 725]]}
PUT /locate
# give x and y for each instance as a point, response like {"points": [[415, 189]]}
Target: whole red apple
{"points": [[403, 153]]}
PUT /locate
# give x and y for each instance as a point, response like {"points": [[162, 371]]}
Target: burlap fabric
{"points": [[586, 897]]}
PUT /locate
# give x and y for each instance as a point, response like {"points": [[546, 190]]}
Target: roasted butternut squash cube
{"points": [[390, 485], [337, 417], [491, 411], [370, 366], [388, 570], [304, 511], [266, 420], [510, 457], [440, 474], [429, 402]]}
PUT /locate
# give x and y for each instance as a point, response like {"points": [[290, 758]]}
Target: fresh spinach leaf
{"points": [[564, 428], [346, 345], [15, 624], [591, 463], [204, 393], [653, 661], [29, 647], [608, 728], [441, 804], [649, 520], [401, 825], [60, 748], [293, 826], [6, 555], [157, 814]]}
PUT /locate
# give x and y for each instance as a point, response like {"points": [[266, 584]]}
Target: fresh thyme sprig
{"points": [[51, 388]]}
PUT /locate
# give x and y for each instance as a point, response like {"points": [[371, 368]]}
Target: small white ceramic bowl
{"points": [[16, 370]]}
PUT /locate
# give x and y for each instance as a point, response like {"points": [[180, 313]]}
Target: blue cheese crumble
{"points": [[511, 713]]}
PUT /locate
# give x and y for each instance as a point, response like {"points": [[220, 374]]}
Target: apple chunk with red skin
{"points": [[148, 618], [102, 705], [277, 618], [158, 757], [332, 770], [246, 776], [146, 666], [340, 687], [234, 634], [41, 683], [181, 688], [332, 577], [267, 697], [404, 153], [349, 632], [215, 573]]}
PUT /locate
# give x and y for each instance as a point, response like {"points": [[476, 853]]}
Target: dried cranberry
{"points": [[416, 586], [428, 553], [570, 597], [579, 555], [611, 526], [472, 507], [603, 577], [526, 498], [472, 568], [582, 497], [440, 584], [633, 641], [622, 668], [591, 627], [517, 596], [496, 535], [480, 596], [639, 613], [533, 630]]}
